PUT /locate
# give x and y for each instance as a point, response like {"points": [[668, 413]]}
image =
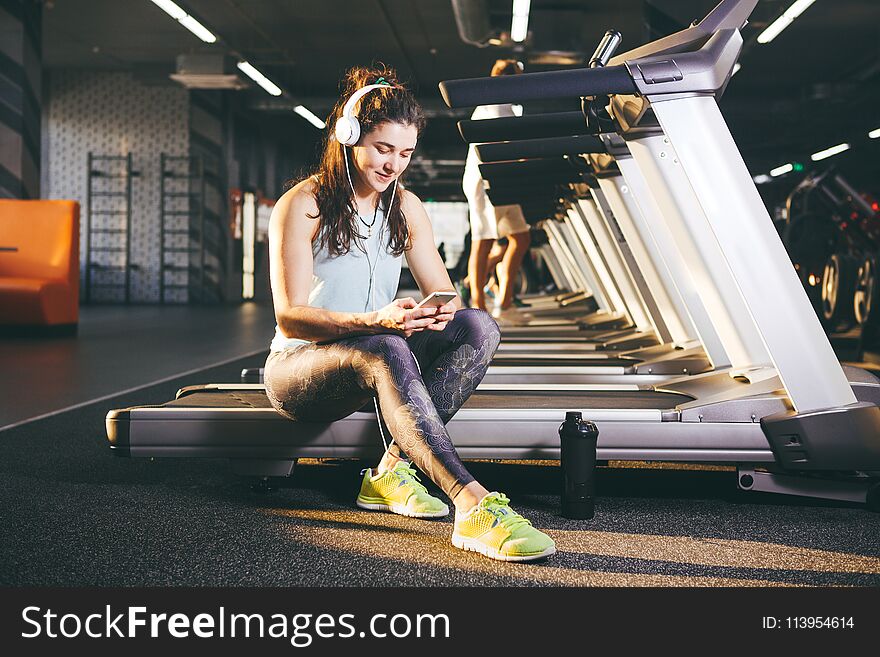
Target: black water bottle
{"points": [[578, 438]]}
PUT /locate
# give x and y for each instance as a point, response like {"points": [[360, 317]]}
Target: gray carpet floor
{"points": [[71, 513]]}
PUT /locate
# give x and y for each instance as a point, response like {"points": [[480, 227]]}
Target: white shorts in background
{"points": [[490, 222], [510, 220]]}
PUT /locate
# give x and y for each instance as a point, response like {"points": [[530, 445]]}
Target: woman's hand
{"points": [[401, 315], [444, 314]]}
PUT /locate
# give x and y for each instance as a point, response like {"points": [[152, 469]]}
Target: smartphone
{"points": [[436, 299]]}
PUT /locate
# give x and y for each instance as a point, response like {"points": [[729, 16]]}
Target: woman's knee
{"points": [[389, 345], [475, 325], [387, 355]]}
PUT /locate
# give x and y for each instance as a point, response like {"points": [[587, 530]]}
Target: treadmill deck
{"points": [[241, 425], [630, 399]]}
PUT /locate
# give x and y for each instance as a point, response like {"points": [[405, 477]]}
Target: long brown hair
{"points": [[337, 209]]}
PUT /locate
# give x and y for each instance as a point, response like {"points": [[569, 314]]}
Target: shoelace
{"points": [[409, 476], [494, 503]]}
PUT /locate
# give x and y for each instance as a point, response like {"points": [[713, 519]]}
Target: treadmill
{"points": [[786, 408], [625, 263], [620, 288]]}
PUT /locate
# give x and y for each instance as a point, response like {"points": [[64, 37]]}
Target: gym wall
{"points": [[20, 90], [209, 124], [114, 113], [111, 113]]}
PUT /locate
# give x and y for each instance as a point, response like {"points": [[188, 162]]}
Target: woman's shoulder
{"points": [[300, 197], [297, 210], [414, 211], [409, 201]]}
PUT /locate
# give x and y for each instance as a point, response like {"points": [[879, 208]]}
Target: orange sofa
{"points": [[39, 264]]}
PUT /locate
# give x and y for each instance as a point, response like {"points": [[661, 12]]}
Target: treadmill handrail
{"points": [[537, 86], [638, 71], [528, 148], [702, 71], [556, 166], [727, 15], [530, 126]]}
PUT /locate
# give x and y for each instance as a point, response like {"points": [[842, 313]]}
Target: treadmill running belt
{"points": [[223, 399], [636, 399], [565, 362]]}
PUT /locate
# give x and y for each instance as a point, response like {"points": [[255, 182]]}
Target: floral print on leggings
{"points": [[420, 383]]}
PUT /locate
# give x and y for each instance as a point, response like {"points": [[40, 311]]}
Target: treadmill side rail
{"points": [[846, 438], [117, 424]]}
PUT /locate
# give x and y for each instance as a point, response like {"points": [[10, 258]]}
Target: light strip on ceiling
{"points": [[267, 84], [190, 23], [785, 168], [519, 27], [307, 114], [828, 152], [773, 30]]}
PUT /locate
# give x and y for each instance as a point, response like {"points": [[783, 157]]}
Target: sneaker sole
{"points": [[400, 510], [473, 545]]}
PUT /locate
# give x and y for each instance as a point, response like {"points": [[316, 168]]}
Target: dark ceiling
{"points": [[815, 85]]}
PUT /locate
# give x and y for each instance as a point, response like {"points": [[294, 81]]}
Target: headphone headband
{"points": [[357, 95], [348, 129]]}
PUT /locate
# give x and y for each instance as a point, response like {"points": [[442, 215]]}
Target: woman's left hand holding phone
{"points": [[443, 316], [401, 315]]}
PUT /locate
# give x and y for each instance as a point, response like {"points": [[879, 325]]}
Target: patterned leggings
{"points": [[420, 383]]}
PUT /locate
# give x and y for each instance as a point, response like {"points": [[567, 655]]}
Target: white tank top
{"points": [[362, 280]]}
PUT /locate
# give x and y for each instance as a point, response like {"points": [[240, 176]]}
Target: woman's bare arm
{"points": [[424, 260]]}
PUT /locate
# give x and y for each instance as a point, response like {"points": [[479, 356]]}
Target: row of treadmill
{"points": [[681, 330]]}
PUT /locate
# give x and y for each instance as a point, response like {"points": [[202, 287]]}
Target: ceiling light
{"points": [[170, 8], [260, 79], [736, 68], [190, 23], [304, 112], [828, 152], [519, 27], [198, 29], [785, 168], [874, 133], [762, 178], [796, 9]]}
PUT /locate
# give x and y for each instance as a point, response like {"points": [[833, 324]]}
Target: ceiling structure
{"points": [[816, 85]]}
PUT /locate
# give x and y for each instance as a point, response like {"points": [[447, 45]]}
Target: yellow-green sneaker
{"points": [[495, 530], [399, 491]]}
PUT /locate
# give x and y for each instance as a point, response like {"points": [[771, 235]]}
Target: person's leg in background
{"points": [[512, 225], [484, 232], [508, 269], [496, 255], [478, 270], [499, 248]]}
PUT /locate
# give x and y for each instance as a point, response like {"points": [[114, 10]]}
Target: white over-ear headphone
{"points": [[348, 130]]}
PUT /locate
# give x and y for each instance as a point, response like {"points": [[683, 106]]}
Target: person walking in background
{"points": [[489, 222]]}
